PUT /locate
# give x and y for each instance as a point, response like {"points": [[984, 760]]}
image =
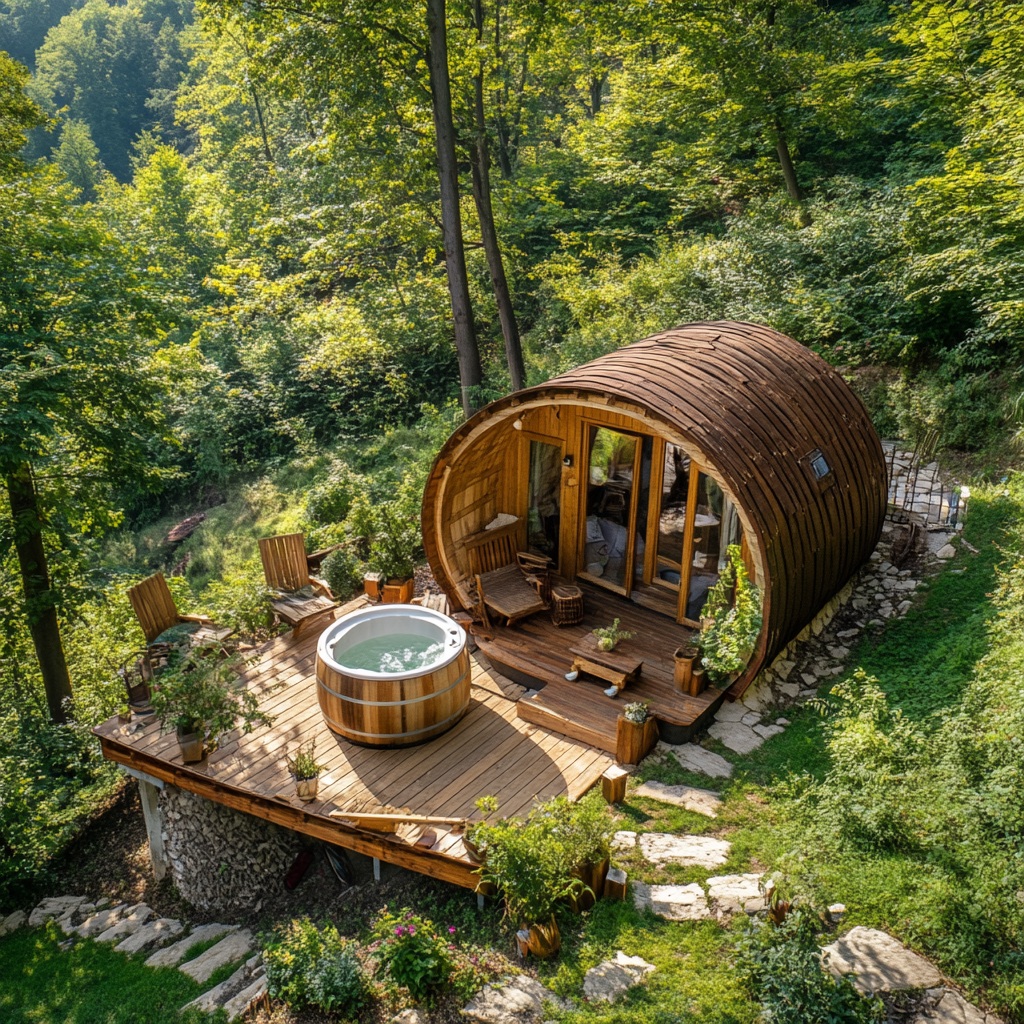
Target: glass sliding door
{"points": [[543, 499], [610, 542]]}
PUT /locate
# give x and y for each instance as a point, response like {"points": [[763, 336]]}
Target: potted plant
{"points": [[529, 863], [392, 553], [733, 618], [306, 771], [200, 697], [635, 734], [609, 636], [476, 848], [586, 829]]}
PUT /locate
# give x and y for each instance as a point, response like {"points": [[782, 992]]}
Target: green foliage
{"points": [[395, 537], [530, 861], [311, 965], [240, 598], [200, 692], [635, 712], [343, 572], [585, 827], [412, 955], [609, 636], [330, 501], [781, 967], [727, 642], [78, 158]]}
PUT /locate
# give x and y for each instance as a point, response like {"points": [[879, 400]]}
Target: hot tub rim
{"points": [[391, 611]]}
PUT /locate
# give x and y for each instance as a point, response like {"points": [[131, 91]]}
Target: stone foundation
{"points": [[221, 859]]}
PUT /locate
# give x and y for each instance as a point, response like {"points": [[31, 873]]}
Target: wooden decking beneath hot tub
{"points": [[491, 752]]}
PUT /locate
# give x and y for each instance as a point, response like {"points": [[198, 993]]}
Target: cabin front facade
{"points": [[634, 474]]}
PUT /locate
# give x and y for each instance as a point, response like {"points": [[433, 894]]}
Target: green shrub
{"points": [[310, 965], [343, 572], [412, 955], [782, 969], [241, 600], [330, 500]]}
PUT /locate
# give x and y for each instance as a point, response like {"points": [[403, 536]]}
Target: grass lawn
{"points": [[90, 984]]}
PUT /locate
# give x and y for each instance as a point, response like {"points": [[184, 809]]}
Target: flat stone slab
{"points": [[515, 1000], [150, 934], [229, 949], [732, 894], [54, 907], [13, 921], [237, 1005], [614, 978], [736, 736], [702, 801], [689, 851], [246, 975], [735, 712], [101, 921], [131, 921], [879, 962], [768, 731], [946, 1006], [623, 842], [171, 955], [695, 758], [672, 902]]}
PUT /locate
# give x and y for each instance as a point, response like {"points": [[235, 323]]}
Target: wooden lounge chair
{"points": [[156, 611], [509, 581], [301, 598]]}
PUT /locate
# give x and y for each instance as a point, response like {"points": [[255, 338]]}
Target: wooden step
{"points": [[580, 711]]}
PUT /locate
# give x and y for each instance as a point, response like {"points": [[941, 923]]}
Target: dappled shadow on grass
{"points": [[88, 984]]}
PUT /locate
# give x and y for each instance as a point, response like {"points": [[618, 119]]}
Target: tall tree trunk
{"points": [[470, 374], [480, 160], [596, 88], [35, 581], [793, 189]]}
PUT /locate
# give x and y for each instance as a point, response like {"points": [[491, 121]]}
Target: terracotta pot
{"points": [[399, 591], [191, 744], [542, 940], [306, 789], [592, 876]]}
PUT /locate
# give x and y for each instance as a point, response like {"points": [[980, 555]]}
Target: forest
{"points": [[259, 257]]}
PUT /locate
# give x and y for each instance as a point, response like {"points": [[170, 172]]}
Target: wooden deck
{"points": [[535, 652], [491, 752]]}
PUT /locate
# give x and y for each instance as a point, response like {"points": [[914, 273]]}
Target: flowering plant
{"points": [[412, 954]]}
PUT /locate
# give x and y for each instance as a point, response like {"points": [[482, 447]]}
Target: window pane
{"points": [[543, 507], [672, 519]]}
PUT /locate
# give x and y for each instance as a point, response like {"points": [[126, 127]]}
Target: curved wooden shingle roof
{"points": [[751, 405]]}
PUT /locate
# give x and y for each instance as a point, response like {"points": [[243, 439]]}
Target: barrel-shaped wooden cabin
{"points": [[635, 472]]}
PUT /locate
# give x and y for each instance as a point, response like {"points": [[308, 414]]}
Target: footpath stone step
{"points": [[13, 921], [54, 908], [237, 994], [695, 758], [879, 962], [672, 902], [229, 949], [171, 955], [150, 934], [99, 922], [131, 921], [689, 851], [513, 1000], [613, 978], [733, 894], [700, 801]]}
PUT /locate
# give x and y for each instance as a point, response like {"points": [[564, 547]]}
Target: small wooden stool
{"points": [[566, 606], [613, 666]]}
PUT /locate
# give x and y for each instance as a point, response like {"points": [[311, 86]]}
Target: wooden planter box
{"points": [[634, 742], [371, 585], [398, 591], [685, 657], [592, 876]]}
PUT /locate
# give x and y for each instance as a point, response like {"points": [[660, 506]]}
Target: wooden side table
{"points": [[616, 667]]}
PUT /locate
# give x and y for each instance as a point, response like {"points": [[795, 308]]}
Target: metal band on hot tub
{"points": [[394, 735], [392, 703]]}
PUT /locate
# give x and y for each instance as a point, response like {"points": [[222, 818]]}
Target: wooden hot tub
{"points": [[393, 709]]}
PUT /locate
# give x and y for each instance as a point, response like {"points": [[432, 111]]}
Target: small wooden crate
{"points": [[613, 784], [634, 742], [400, 592], [566, 606]]}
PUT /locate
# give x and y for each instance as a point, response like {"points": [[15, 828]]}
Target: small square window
{"points": [[819, 464]]}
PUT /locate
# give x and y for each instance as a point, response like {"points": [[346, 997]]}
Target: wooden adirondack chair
{"points": [[156, 611], [509, 581], [287, 573]]}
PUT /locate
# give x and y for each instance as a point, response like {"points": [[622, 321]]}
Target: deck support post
{"points": [[376, 869], [479, 901], [149, 790]]}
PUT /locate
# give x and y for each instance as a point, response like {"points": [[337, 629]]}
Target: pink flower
{"points": [[399, 930], [412, 931], [451, 929]]}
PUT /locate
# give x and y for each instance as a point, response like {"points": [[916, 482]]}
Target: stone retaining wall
{"points": [[221, 859]]}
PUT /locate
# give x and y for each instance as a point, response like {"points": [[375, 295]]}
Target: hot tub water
{"points": [[395, 652]]}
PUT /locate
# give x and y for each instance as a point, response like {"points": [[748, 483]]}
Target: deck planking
{"points": [[491, 751]]}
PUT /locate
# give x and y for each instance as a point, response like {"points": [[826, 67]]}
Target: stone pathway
{"points": [[136, 929], [614, 978]]}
